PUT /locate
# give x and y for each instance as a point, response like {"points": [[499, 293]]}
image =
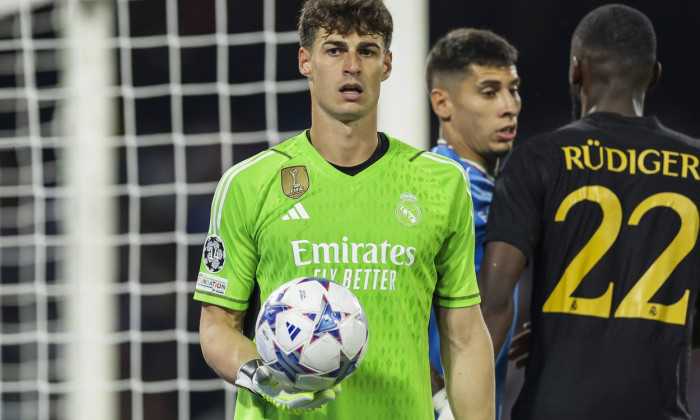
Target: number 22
{"points": [[636, 303]]}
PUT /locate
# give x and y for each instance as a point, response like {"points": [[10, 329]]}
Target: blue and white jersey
{"points": [[482, 185]]}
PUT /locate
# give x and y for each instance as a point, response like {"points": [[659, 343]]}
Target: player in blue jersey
{"points": [[473, 83], [606, 210]]}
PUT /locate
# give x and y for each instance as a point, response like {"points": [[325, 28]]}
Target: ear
{"points": [[576, 74], [388, 57], [441, 103], [655, 76], [305, 62]]}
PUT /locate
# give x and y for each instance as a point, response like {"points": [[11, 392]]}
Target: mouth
{"points": [[351, 91], [507, 133]]}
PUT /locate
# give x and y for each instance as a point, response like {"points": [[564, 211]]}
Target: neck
{"points": [[619, 100], [344, 143], [463, 150]]}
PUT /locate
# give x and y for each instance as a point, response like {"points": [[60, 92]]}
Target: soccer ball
{"points": [[311, 333]]}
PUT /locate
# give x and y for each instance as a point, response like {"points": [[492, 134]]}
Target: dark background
{"points": [[541, 31]]}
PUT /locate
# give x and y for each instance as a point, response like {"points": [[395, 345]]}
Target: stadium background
{"points": [[196, 92]]}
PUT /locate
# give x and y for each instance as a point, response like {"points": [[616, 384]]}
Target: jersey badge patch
{"points": [[295, 181], [213, 284], [407, 211], [214, 255]]}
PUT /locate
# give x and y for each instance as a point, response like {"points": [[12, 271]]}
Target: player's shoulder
{"points": [[431, 167], [541, 146], [293, 147], [441, 163], [430, 160], [253, 171], [679, 137]]}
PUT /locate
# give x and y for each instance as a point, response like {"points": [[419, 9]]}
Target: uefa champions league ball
{"points": [[311, 333]]}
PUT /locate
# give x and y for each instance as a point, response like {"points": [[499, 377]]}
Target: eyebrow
{"points": [[345, 44], [493, 82]]}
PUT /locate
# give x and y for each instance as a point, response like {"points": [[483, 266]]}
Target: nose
{"points": [[352, 64], [510, 104]]}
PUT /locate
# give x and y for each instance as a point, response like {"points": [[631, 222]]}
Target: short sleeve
{"points": [[457, 286], [229, 258], [515, 213]]}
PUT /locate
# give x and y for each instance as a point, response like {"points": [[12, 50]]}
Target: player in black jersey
{"points": [[606, 210]]}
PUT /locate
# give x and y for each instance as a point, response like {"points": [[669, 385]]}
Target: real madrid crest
{"points": [[295, 181], [214, 254], [407, 211]]}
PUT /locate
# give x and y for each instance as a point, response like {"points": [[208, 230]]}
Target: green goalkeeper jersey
{"points": [[399, 235]]}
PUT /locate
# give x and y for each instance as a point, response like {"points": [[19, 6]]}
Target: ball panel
{"points": [[322, 355], [265, 342], [343, 299], [305, 296], [353, 335], [314, 382], [292, 330]]}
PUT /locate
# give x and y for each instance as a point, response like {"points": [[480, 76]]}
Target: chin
{"points": [[352, 113], [502, 149]]}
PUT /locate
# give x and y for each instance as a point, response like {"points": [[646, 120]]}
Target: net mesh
{"points": [[199, 87]]}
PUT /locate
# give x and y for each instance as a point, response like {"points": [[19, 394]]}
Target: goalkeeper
{"points": [[344, 199], [473, 84]]}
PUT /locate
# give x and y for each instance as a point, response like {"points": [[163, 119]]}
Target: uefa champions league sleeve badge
{"points": [[214, 255]]}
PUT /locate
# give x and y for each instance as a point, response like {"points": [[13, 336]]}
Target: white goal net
{"points": [[117, 119]]}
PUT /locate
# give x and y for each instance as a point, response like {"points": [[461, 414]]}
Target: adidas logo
{"points": [[292, 330], [297, 212]]}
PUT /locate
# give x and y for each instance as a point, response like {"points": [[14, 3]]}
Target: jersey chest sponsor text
{"points": [[595, 156], [379, 262]]}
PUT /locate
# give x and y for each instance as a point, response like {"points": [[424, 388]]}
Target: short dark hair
{"points": [[454, 52], [619, 33], [365, 17]]}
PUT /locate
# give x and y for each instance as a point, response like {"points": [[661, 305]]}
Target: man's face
{"points": [[485, 108], [345, 74]]}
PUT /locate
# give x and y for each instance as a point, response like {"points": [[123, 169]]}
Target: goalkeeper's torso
{"points": [[386, 233]]}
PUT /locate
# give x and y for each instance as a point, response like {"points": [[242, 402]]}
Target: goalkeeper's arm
{"points": [[467, 360], [224, 346], [234, 357]]}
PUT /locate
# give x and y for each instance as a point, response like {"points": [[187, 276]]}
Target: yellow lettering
{"points": [[655, 164], [648, 161], [669, 160], [587, 155], [689, 163], [572, 155], [611, 153], [633, 161]]}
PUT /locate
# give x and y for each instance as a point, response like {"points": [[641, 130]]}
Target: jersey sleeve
{"points": [[515, 213], [457, 286], [229, 259]]}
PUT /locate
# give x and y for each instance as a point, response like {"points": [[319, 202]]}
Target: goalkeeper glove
{"points": [[256, 377], [442, 406]]}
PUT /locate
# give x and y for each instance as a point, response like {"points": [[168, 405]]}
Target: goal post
{"points": [[90, 208], [404, 95]]}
